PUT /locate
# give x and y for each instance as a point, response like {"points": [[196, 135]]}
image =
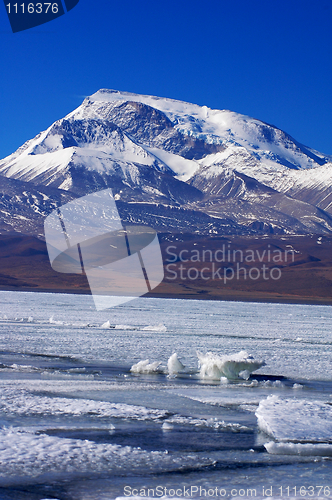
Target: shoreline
{"points": [[306, 279], [231, 297]]}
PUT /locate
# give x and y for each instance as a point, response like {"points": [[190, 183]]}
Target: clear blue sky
{"points": [[270, 59]]}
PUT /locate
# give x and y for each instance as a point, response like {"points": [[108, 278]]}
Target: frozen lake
{"points": [[77, 423]]}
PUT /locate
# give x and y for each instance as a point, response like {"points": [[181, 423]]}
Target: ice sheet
{"points": [[24, 454]]}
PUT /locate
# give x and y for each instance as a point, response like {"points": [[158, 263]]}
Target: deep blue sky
{"points": [[270, 59]]}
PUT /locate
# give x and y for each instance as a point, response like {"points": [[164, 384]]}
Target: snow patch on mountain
{"points": [[85, 143], [27, 166], [215, 126], [183, 168]]}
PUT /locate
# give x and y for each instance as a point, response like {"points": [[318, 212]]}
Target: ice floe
{"points": [[156, 328], [322, 450], [295, 420], [174, 365], [145, 366], [215, 366]]}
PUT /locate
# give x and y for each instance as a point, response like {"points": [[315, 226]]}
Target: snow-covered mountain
{"points": [[176, 165]]}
